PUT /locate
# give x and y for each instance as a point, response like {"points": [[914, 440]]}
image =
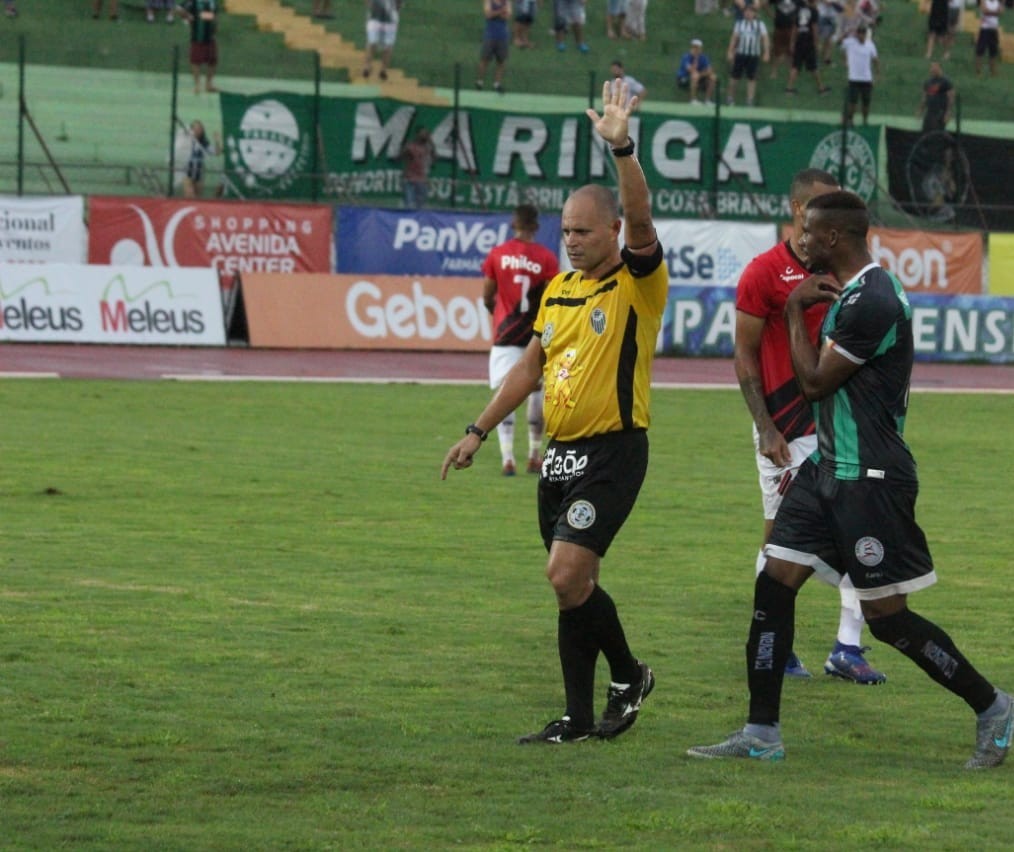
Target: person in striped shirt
{"points": [[748, 46]]}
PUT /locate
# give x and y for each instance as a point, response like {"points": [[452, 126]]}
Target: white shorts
{"points": [[381, 34], [774, 479], [501, 359]]}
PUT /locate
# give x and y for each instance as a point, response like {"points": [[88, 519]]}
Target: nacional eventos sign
{"points": [[72, 303], [231, 237], [42, 230]]}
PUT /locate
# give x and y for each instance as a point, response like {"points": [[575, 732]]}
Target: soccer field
{"points": [[251, 616]]}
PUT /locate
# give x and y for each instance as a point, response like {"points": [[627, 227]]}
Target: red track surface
{"points": [[155, 362]]}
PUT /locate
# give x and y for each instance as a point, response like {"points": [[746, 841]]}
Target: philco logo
{"points": [[25, 308], [860, 164], [145, 311], [268, 152]]}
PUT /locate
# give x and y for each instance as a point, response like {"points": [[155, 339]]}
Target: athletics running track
{"points": [[36, 360]]}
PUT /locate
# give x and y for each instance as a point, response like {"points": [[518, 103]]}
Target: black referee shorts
{"points": [[588, 487]]}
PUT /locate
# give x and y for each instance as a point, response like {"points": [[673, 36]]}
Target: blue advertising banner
{"points": [[701, 321], [370, 240]]}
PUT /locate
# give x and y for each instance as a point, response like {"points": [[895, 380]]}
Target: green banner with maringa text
{"points": [[495, 159]]}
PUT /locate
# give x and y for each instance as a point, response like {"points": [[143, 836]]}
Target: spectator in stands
{"points": [[748, 47], [634, 86], [781, 33], [200, 147], [155, 6], [570, 13], [10, 9], [828, 12], [937, 104], [804, 47], [524, 17], [322, 9], [203, 47], [849, 21], [381, 34], [694, 70], [616, 16], [863, 67], [496, 42], [936, 25], [954, 10], [636, 25], [114, 10], [988, 39], [417, 159]]}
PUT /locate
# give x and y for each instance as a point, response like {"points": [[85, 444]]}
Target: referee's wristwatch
{"points": [[472, 429]]}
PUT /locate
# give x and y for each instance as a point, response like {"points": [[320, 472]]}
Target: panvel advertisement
{"points": [[230, 237], [73, 303], [426, 242], [738, 169]]}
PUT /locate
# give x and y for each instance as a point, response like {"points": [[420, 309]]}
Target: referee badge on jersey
{"points": [[598, 320], [547, 335]]}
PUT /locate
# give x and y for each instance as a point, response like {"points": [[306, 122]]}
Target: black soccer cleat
{"points": [[623, 705], [557, 732]]}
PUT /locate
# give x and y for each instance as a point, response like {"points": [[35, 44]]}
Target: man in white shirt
{"points": [[634, 86], [863, 67]]}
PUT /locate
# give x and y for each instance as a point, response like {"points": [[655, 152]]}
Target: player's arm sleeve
{"points": [[865, 323]]}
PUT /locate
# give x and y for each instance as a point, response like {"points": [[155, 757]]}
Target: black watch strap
{"points": [[472, 429]]}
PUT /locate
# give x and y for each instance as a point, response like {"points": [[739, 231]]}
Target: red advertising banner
{"points": [[230, 236], [366, 312], [940, 263]]}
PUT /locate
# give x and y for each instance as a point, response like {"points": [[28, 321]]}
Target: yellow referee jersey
{"points": [[599, 340]]}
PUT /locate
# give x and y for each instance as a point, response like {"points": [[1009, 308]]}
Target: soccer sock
{"points": [[850, 621], [578, 653], [768, 647], [505, 432], [603, 625], [932, 650]]}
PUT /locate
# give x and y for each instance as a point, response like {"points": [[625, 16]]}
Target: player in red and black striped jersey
{"points": [[516, 273], [784, 431]]}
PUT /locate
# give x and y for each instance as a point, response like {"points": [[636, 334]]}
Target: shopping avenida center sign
{"points": [[494, 160]]}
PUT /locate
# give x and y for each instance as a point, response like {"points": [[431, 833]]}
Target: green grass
{"points": [[250, 616]]}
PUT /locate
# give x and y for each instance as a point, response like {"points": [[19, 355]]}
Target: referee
{"points": [[592, 346]]}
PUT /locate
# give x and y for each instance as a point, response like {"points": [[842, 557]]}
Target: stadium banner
{"points": [[229, 236], [374, 241], [711, 253], [365, 312], [75, 303], [42, 230], [964, 179], [740, 170], [701, 321], [1001, 264], [940, 262]]}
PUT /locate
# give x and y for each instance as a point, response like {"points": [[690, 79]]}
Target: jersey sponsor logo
{"points": [[598, 320], [520, 262], [559, 467], [869, 551], [581, 515], [791, 275]]}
